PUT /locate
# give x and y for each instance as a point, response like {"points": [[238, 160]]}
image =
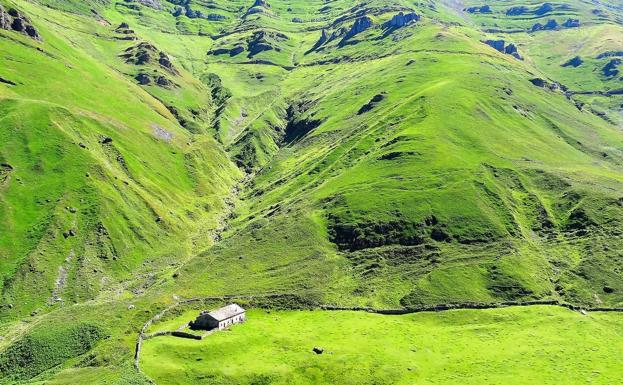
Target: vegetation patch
{"points": [[46, 348]]}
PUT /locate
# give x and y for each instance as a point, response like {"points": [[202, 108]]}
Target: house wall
{"points": [[233, 320]]}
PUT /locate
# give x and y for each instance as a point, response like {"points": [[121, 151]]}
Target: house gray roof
{"points": [[226, 312]]}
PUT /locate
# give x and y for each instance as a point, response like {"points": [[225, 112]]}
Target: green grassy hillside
{"points": [[385, 154]]}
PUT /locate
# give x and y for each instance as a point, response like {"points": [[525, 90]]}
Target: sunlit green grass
{"points": [[536, 345]]}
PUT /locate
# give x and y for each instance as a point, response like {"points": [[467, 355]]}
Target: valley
{"points": [[305, 155]]}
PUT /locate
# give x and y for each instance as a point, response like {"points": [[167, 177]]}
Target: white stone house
{"points": [[220, 319]]}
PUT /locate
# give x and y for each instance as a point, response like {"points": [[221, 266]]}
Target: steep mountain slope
{"points": [[379, 153]]}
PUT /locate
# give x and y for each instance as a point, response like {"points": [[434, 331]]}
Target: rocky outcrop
{"points": [[612, 68], [260, 41], [516, 11], [264, 41], [261, 3], [550, 25], [13, 20], [124, 32], [500, 45], [324, 37], [481, 9], [543, 9], [145, 53], [360, 25], [259, 6], [606, 54], [575, 62], [402, 19], [5, 170], [552, 86], [571, 23], [495, 44]]}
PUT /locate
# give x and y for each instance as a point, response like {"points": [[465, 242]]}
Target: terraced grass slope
{"points": [[388, 154]]}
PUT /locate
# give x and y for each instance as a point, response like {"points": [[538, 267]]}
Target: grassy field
{"points": [[533, 345]]}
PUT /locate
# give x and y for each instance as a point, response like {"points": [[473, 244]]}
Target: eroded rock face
{"points": [[496, 44], [359, 26], [500, 45], [402, 19], [13, 20]]}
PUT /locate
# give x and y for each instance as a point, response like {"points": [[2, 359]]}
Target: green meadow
{"points": [[519, 345]]}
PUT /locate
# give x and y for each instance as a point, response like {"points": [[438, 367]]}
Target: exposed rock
{"points": [[552, 86], [543, 9], [481, 9], [261, 3], [255, 10], [163, 82], [575, 62], [145, 53], [216, 17], [359, 26], [236, 50], [516, 11], [371, 104], [16, 21], [551, 24], [106, 140], [496, 44], [297, 20], [143, 79], [402, 19], [606, 54], [126, 32], [164, 61], [611, 69], [571, 23], [262, 41], [510, 49], [299, 126], [5, 170]]}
